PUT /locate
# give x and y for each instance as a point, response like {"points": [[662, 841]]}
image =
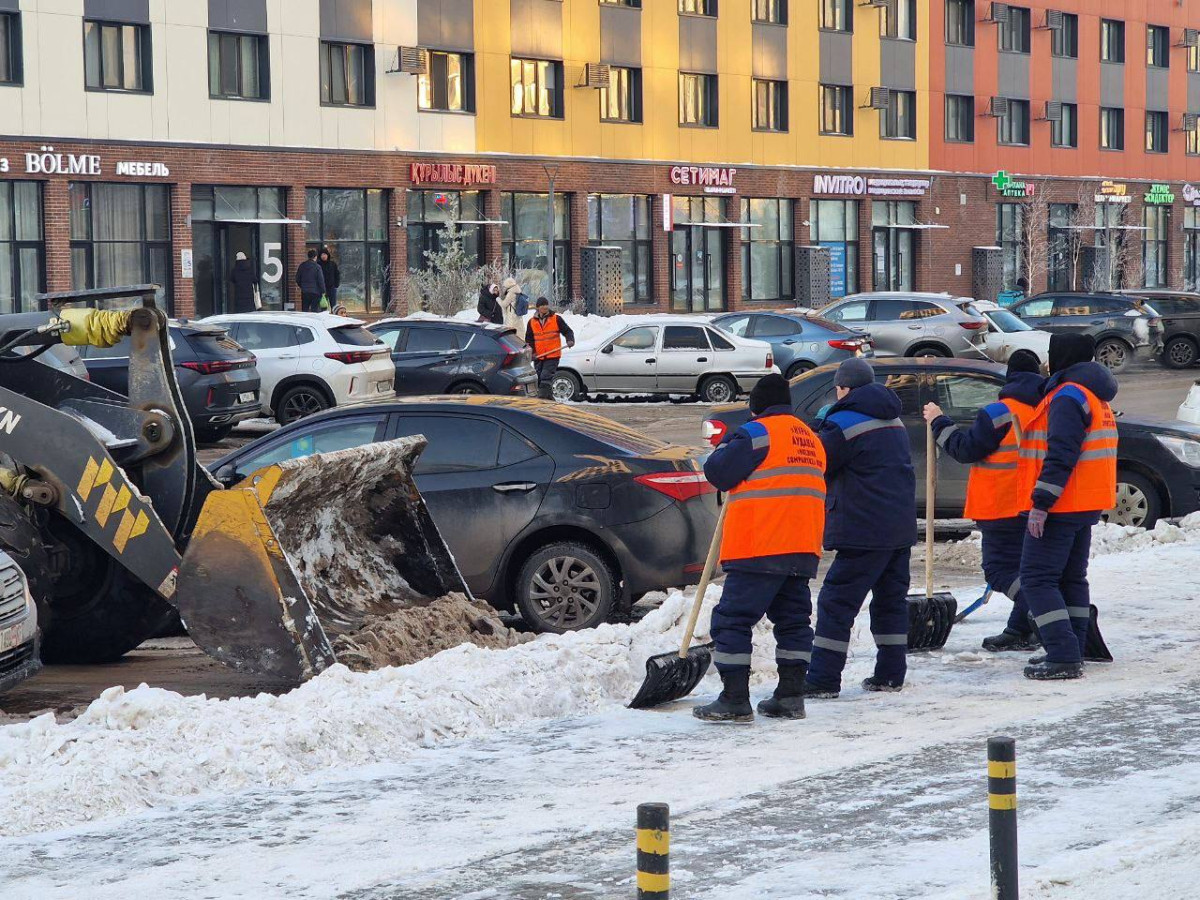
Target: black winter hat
{"points": [[854, 373], [1023, 361], [770, 391], [1068, 349]]}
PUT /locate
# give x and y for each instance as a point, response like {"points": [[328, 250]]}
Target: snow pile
{"points": [[589, 330], [1108, 538]]}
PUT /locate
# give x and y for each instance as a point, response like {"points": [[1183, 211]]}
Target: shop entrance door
{"points": [[893, 250], [698, 269], [234, 239]]}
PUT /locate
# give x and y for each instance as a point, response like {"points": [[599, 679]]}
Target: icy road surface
{"points": [[870, 797]]}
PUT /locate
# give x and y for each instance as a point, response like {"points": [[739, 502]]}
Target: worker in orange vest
{"points": [[545, 333], [773, 469], [994, 496], [1068, 464]]}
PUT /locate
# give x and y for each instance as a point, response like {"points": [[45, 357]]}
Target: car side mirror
{"points": [[608, 349], [227, 474]]}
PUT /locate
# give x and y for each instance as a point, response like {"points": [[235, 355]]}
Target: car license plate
{"points": [[248, 397], [383, 386], [10, 638]]}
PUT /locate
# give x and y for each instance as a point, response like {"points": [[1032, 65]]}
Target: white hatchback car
{"points": [[1007, 334], [310, 362]]}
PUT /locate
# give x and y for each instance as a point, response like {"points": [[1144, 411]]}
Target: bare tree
{"points": [[451, 281], [1035, 246]]}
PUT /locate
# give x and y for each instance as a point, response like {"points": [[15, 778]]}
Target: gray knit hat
{"points": [[854, 373]]}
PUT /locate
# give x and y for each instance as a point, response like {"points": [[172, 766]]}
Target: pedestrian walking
{"points": [[311, 281], [995, 499], [773, 470], [332, 274], [871, 521], [510, 305], [545, 333], [1069, 463], [244, 280], [488, 306]]}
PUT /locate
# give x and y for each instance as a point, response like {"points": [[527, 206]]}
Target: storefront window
{"points": [[893, 240], [1155, 240], [698, 255], [1110, 233], [524, 241], [353, 225], [1063, 242], [767, 250], [431, 212], [230, 220], [834, 225], [121, 235], [1191, 248], [1010, 218], [22, 247], [623, 220]]}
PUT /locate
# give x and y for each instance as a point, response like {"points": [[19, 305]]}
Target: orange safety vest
{"points": [[780, 508], [994, 488], [1093, 484], [547, 340]]}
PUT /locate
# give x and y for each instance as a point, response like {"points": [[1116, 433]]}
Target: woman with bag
{"points": [[245, 285], [511, 304]]}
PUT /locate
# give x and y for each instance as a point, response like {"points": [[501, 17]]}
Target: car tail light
{"points": [[351, 356], [217, 366], [770, 360], [713, 431], [679, 486], [851, 344], [971, 326]]}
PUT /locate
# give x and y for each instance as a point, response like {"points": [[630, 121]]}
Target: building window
{"points": [[523, 241], [347, 74], [227, 220], [1112, 128], [1155, 241], [698, 7], [1110, 232], [837, 15], [773, 12], [1192, 141], [121, 235], [1064, 41], [22, 246], [116, 57], [837, 109], [1156, 132], [623, 220], [1010, 222], [1014, 32], [632, 4], [833, 224], [770, 111], [698, 100], [899, 120], [430, 213], [1193, 58], [1063, 240], [448, 84], [353, 225], [1158, 46], [1112, 41], [899, 20], [1191, 248], [1064, 132], [12, 57], [767, 251], [239, 66], [1013, 127], [960, 118], [621, 101], [537, 88], [893, 244], [960, 23]]}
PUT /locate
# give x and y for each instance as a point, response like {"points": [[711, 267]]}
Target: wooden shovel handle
{"points": [[930, 494], [714, 551]]}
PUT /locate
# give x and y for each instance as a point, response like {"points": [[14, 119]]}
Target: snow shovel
{"points": [[672, 676], [930, 615], [975, 605], [1094, 649]]}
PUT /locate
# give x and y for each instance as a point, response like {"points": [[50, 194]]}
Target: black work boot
{"points": [[814, 692], [788, 700], [1010, 640], [1052, 671], [733, 705], [877, 685]]}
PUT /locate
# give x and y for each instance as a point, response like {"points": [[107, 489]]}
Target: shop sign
{"points": [[1159, 195], [1010, 187], [865, 186], [1113, 192], [186, 263], [1191, 194], [143, 169], [714, 180], [47, 162], [451, 173]]}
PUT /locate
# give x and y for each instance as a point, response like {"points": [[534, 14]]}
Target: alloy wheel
{"points": [[566, 591], [1182, 353], [302, 403], [1132, 508], [1112, 354]]}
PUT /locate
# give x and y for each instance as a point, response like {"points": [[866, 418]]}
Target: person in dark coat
{"points": [[243, 278], [871, 521], [311, 281], [332, 275], [488, 306]]}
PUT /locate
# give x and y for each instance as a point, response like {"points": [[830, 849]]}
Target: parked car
{"points": [[218, 378], [61, 357], [1189, 409], [448, 357], [665, 354], [538, 502], [1158, 467], [310, 362], [1124, 327], [19, 657], [1007, 333], [913, 324], [1180, 311], [799, 342]]}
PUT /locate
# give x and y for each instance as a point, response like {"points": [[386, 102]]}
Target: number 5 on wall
{"points": [[272, 264]]}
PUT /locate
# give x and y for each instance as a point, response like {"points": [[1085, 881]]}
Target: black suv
{"points": [[1180, 312], [442, 356], [1123, 326]]}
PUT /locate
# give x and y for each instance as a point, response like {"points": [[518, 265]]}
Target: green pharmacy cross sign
{"points": [[1159, 195], [1009, 187]]}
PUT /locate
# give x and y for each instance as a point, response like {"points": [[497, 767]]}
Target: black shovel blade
{"points": [[930, 620], [671, 677], [1095, 650]]}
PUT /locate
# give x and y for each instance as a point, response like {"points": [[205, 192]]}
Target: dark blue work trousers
{"points": [[855, 573], [1003, 543], [747, 597], [1054, 583]]}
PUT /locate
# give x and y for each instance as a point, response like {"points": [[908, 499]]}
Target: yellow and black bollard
{"points": [[1002, 816], [653, 851]]}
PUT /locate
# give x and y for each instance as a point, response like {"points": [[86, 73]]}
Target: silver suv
{"points": [[19, 656], [907, 323]]}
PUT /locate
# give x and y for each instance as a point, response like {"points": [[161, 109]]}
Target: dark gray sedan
{"points": [[1124, 327], [440, 356], [800, 342]]}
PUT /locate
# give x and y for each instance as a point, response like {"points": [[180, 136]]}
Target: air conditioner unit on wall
{"points": [[878, 4], [411, 61], [595, 75], [1191, 38], [1191, 122], [1054, 111], [1054, 19], [998, 108], [998, 13], [881, 98]]}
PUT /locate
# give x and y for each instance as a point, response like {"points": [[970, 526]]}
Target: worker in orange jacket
{"points": [[545, 333]]}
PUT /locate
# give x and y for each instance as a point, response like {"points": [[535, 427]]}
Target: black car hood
{"points": [[1154, 424]]}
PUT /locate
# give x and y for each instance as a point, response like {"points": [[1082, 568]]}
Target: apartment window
{"points": [[960, 118], [1156, 132], [960, 22], [773, 12], [1013, 127], [1155, 241], [770, 105], [899, 20], [1014, 33], [1158, 46], [121, 234], [1112, 41], [1010, 221], [22, 246], [767, 250], [698, 100], [1112, 128], [632, 4], [837, 109], [1193, 58], [537, 88], [448, 84], [834, 225], [698, 7], [353, 225], [116, 57], [899, 120], [623, 220], [1064, 41], [1065, 131], [837, 15], [430, 213], [347, 74], [523, 241], [12, 68], [621, 101], [1192, 142], [239, 66]]}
